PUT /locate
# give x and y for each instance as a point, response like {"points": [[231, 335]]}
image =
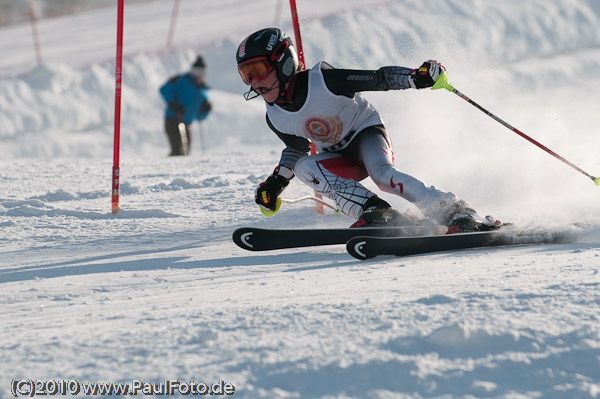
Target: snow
{"points": [[159, 291]]}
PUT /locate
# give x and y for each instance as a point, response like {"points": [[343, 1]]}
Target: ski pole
{"points": [[268, 212], [442, 83], [313, 198]]}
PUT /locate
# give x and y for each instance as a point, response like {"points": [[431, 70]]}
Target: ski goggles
{"points": [[255, 69]]}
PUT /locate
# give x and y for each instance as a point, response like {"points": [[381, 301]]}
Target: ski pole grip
{"points": [[442, 83]]}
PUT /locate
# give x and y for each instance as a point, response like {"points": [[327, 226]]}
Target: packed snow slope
{"points": [[159, 291]]}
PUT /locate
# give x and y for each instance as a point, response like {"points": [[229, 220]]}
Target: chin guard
{"points": [[248, 95]]}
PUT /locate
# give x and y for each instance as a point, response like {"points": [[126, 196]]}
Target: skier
{"points": [[324, 105], [187, 100]]}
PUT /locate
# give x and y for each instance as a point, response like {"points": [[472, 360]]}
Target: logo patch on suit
{"points": [[325, 129]]}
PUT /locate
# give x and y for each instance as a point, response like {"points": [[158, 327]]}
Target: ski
{"points": [[368, 247], [257, 239]]}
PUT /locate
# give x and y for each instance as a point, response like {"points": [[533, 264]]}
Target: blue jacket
{"points": [[186, 100]]}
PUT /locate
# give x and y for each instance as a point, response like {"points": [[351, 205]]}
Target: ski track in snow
{"points": [[159, 291]]}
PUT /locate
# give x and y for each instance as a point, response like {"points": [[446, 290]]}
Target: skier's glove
{"points": [[268, 191], [427, 74]]}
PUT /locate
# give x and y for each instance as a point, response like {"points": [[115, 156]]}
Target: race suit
{"points": [[326, 107]]}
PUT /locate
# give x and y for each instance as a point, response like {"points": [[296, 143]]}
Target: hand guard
{"points": [[427, 74], [268, 191]]}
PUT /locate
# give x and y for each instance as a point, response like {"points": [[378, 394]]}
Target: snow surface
{"points": [[159, 291]]}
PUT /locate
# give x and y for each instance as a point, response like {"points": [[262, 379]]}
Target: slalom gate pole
{"points": [[442, 83], [117, 127], [296, 22]]}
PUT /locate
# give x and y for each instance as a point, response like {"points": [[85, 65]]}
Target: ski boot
{"points": [[461, 218], [378, 213]]}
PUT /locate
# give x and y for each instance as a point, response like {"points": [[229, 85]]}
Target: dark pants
{"points": [[180, 136]]}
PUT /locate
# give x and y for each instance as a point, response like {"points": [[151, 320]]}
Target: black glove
{"points": [[427, 74], [268, 191], [205, 108]]}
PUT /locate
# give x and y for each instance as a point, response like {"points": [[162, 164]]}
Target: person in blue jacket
{"points": [[186, 96]]}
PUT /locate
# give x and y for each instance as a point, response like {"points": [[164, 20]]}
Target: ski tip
{"points": [[356, 248], [596, 180], [242, 237]]}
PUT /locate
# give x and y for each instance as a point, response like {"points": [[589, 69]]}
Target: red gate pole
{"points": [[313, 150], [117, 137], [297, 32]]}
